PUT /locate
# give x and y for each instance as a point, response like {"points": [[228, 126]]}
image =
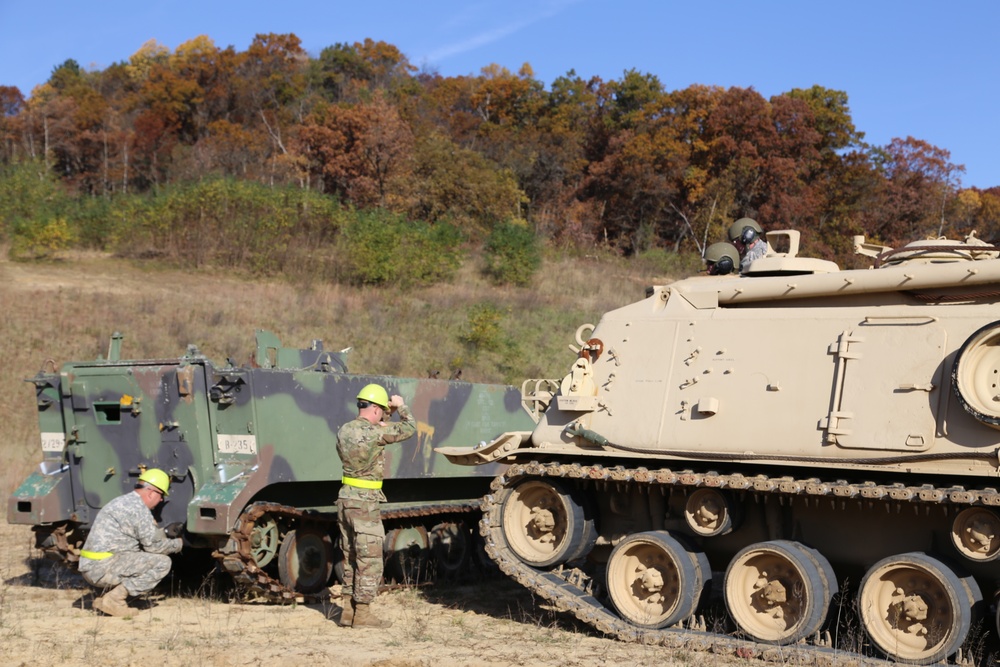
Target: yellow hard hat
{"points": [[374, 393], [158, 478]]}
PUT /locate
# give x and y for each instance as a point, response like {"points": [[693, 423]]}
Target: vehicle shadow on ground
{"points": [[45, 573], [137, 604], [503, 599]]}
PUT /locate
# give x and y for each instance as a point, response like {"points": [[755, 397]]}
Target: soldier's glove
{"points": [[186, 539], [174, 530]]}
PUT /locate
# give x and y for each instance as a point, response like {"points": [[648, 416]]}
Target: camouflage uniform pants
{"points": [[139, 571], [361, 537]]}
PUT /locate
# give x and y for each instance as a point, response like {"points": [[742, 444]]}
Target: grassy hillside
{"points": [[67, 309]]}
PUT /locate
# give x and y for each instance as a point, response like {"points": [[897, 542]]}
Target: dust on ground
{"points": [[46, 619]]}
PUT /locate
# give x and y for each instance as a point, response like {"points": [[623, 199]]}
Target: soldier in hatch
{"points": [[126, 551], [360, 446], [721, 258], [748, 237]]}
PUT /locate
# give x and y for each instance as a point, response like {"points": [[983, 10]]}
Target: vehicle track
{"points": [[569, 589]]}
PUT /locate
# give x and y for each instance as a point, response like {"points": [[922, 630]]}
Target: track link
{"points": [[568, 589]]}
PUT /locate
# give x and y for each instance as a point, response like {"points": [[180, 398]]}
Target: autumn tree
{"points": [[630, 96], [919, 181], [698, 209], [507, 107], [63, 124], [11, 104], [985, 218], [831, 119], [766, 154], [458, 184], [559, 162], [358, 152], [965, 213], [343, 71], [271, 89], [444, 104], [386, 68], [652, 176], [212, 71]]}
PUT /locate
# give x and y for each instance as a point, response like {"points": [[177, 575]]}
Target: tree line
{"points": [[358, 131]]}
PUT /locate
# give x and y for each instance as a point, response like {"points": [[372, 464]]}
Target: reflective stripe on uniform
{"points": [[96, 555], [363, 483]]}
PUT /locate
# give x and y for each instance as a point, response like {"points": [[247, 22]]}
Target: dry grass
{"points": [[45, 619], [67, 309]]}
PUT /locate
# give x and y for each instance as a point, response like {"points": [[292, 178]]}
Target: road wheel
{"points": [[545, 524], [779, 592], [305, 560], [407, 554], [654, 581], [451, 544], [915, 609], [265, 538]]}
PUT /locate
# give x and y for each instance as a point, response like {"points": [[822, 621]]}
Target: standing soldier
{"points": [[360, 446], [126, 551]]}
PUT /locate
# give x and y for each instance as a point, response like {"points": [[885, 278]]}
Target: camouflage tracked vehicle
{"points": [[251, 451], [778, 436]]}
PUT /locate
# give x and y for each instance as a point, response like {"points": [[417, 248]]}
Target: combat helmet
{"points": [[745, 230], [721, 258]]}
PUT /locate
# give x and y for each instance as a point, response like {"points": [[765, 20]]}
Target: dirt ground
{"points": [[46, 619]]}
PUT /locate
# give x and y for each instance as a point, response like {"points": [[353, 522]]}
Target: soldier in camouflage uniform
{"points": [[360, 446], [126, 551], [748, 237]]}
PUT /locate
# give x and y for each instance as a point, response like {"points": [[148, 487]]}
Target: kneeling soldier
{"points": [[126, 551]]}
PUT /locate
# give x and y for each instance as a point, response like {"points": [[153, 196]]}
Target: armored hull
{"points": [[776, 437], [251, 450]]}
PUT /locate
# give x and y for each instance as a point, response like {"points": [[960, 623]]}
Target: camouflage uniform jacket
{"points": [[360, 447], [753, 253], [126, 524]]}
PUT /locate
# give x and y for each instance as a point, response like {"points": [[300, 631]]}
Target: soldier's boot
{"points": [[346, 612], [113, 603], [364, 618]]}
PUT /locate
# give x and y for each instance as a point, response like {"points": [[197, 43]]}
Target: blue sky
{"points": [[917, 68]]}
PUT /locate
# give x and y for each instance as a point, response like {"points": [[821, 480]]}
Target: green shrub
{"points": [[381, 248], [92, 221], [34, 239], [484, 332], [369, 249], [512, 254], [489, 343], [226, 222], [30, 196], [431, 253]]}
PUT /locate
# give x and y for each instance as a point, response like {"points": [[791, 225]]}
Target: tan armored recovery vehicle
{"points": [[778, 437]]}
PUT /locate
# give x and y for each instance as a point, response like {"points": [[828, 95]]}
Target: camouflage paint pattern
{"points": [[229, 435]]}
